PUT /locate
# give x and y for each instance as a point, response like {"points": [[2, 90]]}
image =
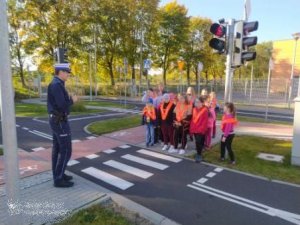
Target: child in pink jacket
{"points": [[210, 123]]}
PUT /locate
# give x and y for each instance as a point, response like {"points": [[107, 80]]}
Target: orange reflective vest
{"points": [[164, 112], [197, 114], [149, 112], [225, 121], [181, 111]]}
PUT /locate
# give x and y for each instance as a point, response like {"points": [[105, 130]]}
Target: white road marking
{"points": [[124, 146], [93, 117], [291, 217], [41, 121], [17, 125], [90, 137], [25, 128], [202, 180], [210, 174], [128, 169], [108, 178], [145, 162], [160, 156], [72, 162], [41, 135], [92, 156], [38, 149], [218, 169], [76, 141], [109, 151]]}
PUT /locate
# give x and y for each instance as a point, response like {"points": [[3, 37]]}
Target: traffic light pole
{"points": [[229, 70], [9, 134]]}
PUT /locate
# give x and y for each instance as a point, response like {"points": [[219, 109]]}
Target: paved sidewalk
{"points": [[37, 186]]}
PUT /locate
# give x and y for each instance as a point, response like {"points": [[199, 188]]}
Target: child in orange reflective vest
{"points": [[227, 126], [183, 112], [149, 119], [198, 125]]}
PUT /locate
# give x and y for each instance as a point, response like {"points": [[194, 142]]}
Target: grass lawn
{"points": [[1, 151], [111, 125], [109, 104], [95, 215], [247, 147], [37, 110]]}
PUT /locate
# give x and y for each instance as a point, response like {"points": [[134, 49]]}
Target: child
{"points": [[198, 125], [156, 103], [210, 123], [181, 123], [191, 95], [227, 126], [165, 115], [149, 118], [215, 106]]}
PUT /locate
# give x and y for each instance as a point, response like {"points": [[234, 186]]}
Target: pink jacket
{"points": [[228, 127], [211, 117]]}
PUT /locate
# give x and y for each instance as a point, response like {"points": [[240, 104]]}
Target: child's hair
{"points": [[231, 107], [186, 101]]}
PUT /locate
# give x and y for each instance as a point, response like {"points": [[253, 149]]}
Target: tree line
{"points": [[99, 34]]}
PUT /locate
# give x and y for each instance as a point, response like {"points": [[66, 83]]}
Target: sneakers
{"points": [[172, 149], [67, 177], [181, 152], [198, 158], [63, 184], [165, 148]]}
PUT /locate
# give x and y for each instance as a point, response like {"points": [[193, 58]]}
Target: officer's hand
{"points": [[74, 98]]}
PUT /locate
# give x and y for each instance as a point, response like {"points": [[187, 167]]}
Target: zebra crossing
{"points": [[122, 167]]}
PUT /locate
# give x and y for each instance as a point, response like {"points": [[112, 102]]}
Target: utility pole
{"points": [[141, 60], [9, 134], [90, 76], [292, 74]]}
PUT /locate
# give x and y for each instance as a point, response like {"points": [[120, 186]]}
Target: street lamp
{"points": [[296, 36]]}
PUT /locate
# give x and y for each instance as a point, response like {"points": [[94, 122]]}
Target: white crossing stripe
{"points": [[25, 128], [124, 146], [17, 125], [128, 169], [202, 180], [108, 178], [76, 141], [211, 174], [38, 149], [145, 162], [160, 156], [92, 156], [109, 151], [218, 169], [90, 137], [72, 162]]}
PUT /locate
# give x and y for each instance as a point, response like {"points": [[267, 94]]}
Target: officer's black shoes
{"points": [[67, 177], [63, 184]]}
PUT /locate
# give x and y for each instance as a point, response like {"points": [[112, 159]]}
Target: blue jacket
{"points": [[58, 99]]}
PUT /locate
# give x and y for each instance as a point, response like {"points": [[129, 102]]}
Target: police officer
{"points": [[58, 104]]}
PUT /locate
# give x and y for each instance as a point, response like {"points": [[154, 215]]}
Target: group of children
{"points": [[173, 119]]}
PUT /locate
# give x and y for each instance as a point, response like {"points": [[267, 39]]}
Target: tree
{"points": [[17, 37], [172, 32]]}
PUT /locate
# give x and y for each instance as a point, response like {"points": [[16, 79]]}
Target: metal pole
{"points": [[95, 65], [40, 85], [141, 61], [246, 86], [90, 76], [228, 76], [292, 75], [9, 134], [295, 160], [268, 91], [125, 78], [198, 83], [251, 84]]}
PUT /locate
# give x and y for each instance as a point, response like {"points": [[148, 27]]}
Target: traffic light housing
{"points": [[61, 55], [218, 42], [242, 42]]}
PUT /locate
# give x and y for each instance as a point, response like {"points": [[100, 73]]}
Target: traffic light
{"points": [[61, 55], [218, 42], [242, 42]]}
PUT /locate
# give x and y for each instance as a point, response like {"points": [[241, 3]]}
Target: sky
{"points": [[278, 19]]}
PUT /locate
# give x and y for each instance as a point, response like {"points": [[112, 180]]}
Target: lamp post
{"points": [[296, 36]]}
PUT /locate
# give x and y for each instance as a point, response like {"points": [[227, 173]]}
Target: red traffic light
{"points": [[218, 30]]}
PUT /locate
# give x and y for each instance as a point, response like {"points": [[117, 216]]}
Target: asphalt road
{"points": [[190, 193], [34, 134]]}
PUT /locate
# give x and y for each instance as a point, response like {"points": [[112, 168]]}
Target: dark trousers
{"points": [[62, 148], [199, 139], [168, 136], [180, 136], [227, 145]]}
